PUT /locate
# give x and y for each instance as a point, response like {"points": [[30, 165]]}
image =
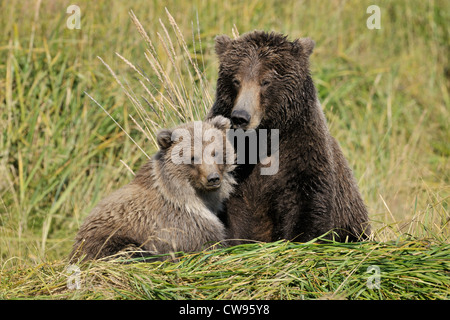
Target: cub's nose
{"points": [[240, 118], [213, 179]]}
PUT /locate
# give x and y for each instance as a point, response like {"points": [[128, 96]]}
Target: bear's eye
{"points": [[265, 83], [195, 160], [236, 83]]}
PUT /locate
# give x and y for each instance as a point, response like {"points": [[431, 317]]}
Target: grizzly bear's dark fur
{"points": [[264, 83], [168, 207]]}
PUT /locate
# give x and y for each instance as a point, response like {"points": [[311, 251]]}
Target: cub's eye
{"points": [[236, 83], [265, 83]]}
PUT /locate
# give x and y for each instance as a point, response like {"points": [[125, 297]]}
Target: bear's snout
{"points": [[247, 113], [213, 180], [240, 118]]}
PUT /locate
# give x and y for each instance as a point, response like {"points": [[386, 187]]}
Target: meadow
{"points": [[80, 107]]}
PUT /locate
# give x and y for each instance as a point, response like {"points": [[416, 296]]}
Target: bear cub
{"points": [[173, 202]]}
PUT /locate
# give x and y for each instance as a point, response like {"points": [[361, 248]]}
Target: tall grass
{"points": [[384, 93], [280, 270], [176, 92]]}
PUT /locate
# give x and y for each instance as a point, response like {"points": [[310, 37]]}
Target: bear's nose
{"points": [[213, 179], [240, 118]]}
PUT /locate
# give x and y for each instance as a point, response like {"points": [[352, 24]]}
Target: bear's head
{"points": [[197, 152], [261, 76]]}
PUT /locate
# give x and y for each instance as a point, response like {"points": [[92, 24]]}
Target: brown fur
{"points": [[265, 80], [167, 208]]}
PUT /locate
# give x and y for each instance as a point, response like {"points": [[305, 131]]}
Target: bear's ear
{"points": [[222, 44], [220, 123], [303, 46], [164, 139]]}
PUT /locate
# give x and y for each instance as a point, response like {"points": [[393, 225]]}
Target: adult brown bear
{"points": [[264, 82]]}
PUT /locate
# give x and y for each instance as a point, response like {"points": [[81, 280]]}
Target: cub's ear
{"points": [[164, 138], [220, 122], [222, 44], [303, 46]]}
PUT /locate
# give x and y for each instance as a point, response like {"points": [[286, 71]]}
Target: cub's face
{"points": [[259, 72], [198, 152]]}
